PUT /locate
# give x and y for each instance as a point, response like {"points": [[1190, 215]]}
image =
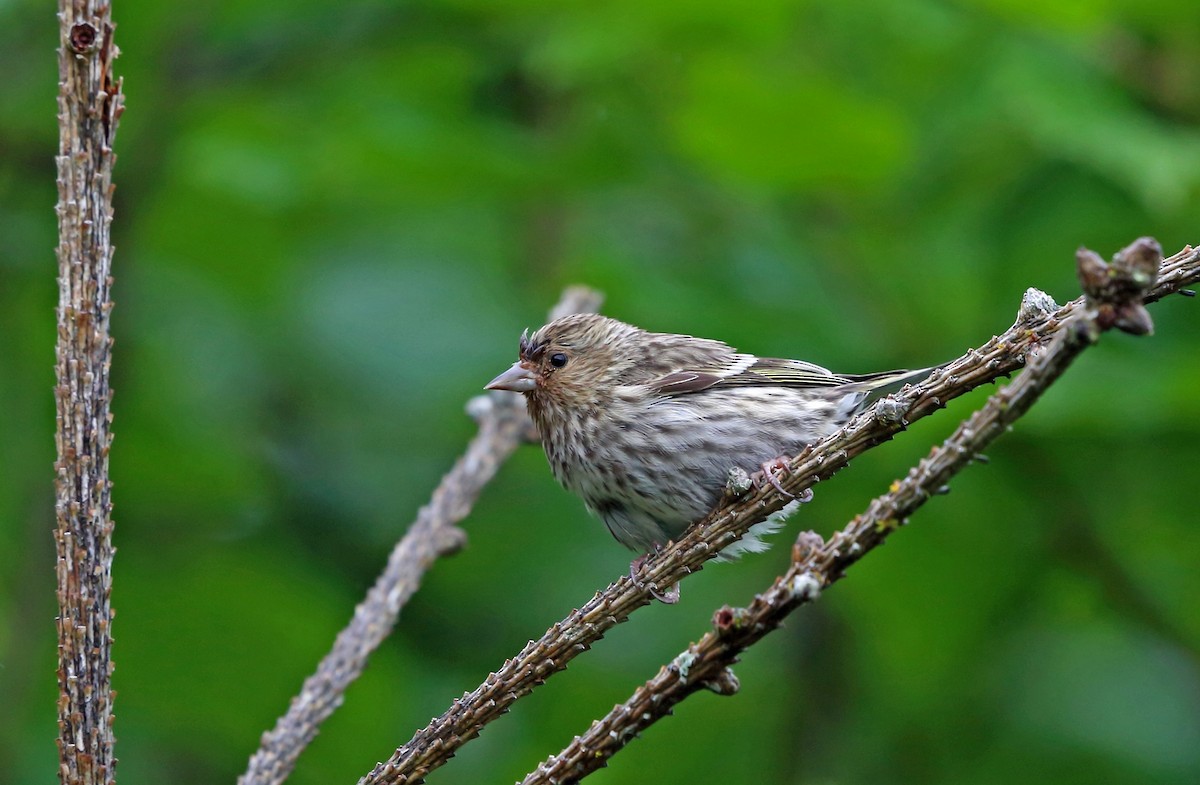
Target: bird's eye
{"points": [[558, 359]]}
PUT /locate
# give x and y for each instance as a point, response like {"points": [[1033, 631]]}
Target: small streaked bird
{"points": [[645, 427]]}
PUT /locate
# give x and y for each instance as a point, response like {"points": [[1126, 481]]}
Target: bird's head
{"points": [[570, 359]]}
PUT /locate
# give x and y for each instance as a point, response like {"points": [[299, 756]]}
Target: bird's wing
{"points": [[746, 371]]}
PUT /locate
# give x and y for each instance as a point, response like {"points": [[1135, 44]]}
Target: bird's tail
{"points": [[883, 382], [861, 390]]}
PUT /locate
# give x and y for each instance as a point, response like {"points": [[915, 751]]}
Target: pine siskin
{"points": [[645, 427]]}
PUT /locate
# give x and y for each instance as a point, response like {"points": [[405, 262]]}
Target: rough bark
{"points": [[89, 105]]}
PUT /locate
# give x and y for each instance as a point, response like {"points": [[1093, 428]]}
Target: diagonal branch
{"points": [[437, 742], [503, 425], [816, 565], [89, 105]]}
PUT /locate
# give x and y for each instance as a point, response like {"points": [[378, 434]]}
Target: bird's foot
{"points": [[766, 475], [669, 597]]}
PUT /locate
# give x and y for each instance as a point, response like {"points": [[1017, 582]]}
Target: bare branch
{"points": [[816, 565], [439, 740], [503, 425], [89, 105]]}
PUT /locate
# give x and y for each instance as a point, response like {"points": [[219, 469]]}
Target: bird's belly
{"points": [[650, 495], [650, 475]]}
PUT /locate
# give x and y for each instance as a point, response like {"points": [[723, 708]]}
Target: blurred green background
{"points": [[334, 219]]}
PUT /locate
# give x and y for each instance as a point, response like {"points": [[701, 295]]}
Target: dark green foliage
{"points": [[333, 221]]}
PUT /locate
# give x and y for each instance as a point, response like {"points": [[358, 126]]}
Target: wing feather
{"points": [[686, 382], [760, 372]]}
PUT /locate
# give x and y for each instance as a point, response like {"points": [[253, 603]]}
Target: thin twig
{"points": [[816, 565], [89, 106], [437, 742], [503, 425]]}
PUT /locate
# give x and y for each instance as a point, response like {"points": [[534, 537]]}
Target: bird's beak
{"points": [[518, 378]]}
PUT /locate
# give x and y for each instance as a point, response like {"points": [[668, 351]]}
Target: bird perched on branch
{"points": [[645, 427]]}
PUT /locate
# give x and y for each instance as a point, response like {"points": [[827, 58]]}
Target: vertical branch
{"points": [[89, 105]]}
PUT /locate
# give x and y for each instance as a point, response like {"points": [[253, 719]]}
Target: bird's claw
{"points": [[669, 597], [766, 475]]}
